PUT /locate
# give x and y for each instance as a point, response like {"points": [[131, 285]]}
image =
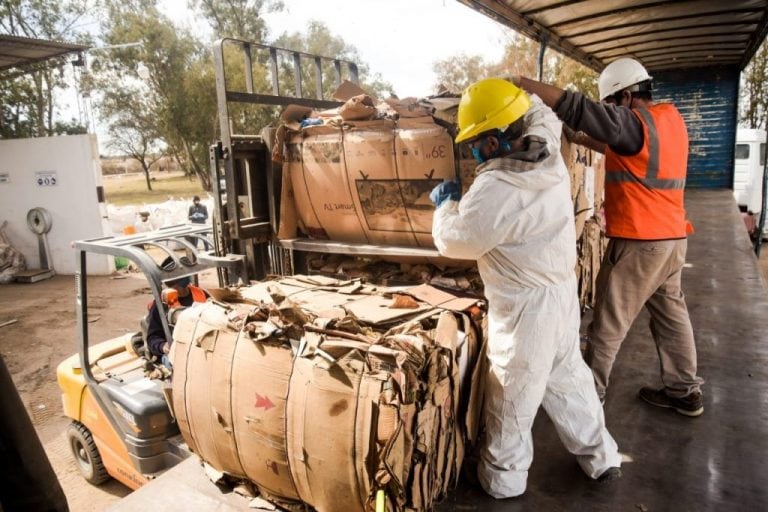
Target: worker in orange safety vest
{"points": [[179, 293], [646, 154]]}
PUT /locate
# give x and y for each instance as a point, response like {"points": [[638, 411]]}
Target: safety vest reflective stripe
{"points": [[623, 176], [644, 192], [651, 179]]}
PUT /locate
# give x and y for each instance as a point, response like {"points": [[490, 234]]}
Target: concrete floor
{"points": [[716, 462]]}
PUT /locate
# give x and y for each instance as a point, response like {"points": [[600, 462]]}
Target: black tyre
{"points": [[86, 454]]}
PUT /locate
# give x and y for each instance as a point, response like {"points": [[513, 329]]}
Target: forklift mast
{"points": [[246, 182]]}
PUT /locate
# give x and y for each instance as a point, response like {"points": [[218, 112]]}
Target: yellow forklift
{"points": [[122, 426]]}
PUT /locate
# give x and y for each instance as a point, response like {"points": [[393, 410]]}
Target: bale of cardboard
{"points": [[362, 173], [327, 393]]}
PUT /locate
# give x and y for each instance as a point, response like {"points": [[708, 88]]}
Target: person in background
{"points": [[198, 213], [143, 224], [646, 156], [517, 222]]}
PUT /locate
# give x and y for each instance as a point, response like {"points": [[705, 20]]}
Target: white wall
{"points": [[72, 201]]}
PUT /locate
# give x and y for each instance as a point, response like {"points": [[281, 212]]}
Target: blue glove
{"points": [[311, 122], [446, 190]]}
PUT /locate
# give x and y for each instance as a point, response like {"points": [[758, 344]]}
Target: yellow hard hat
{"points": [[490, 104]]}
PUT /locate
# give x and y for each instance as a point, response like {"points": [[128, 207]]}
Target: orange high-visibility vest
{"points": [[644, 192], [171, 297]]}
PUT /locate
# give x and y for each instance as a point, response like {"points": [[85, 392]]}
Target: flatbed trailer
{"points": [[714, 462]]}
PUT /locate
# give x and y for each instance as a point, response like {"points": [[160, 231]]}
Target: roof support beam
{"points": [[740, 28], [652, 50], [612, 12], [661, 20], [716, 37]]}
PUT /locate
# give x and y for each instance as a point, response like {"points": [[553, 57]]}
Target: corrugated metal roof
{"points": [[661, 34], [18, 51]]}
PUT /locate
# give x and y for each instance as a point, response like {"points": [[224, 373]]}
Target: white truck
{"points": [[749, 162]]}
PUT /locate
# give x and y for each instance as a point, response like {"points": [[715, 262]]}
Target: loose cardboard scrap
{"points": [[327, 411], [358, 108], [391, 273]]}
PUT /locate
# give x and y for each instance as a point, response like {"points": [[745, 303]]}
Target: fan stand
{"points": [[39, 222]]}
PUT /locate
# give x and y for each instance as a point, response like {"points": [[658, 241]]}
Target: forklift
{"points": [[122, 426]]}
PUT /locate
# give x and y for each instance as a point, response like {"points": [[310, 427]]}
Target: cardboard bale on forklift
{"points": [[366, 178], [328, 393]]}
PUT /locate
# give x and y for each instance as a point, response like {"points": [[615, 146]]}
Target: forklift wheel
{"points": [[86, 454]]}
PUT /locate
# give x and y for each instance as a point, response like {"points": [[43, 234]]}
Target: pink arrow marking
{"points": [[263, 402]]}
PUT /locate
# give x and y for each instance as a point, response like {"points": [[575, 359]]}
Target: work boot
{"points": [[609, 475], [690, 405]]}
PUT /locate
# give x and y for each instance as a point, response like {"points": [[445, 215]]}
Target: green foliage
{"points": [[458, 72], [317, 39], [27, 99], [71, 127], [569, 74], [520, 58], [175, 105], [754, 93], [248, 118], [239, 19]]}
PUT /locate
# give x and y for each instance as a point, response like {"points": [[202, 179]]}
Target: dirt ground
{"points": [[45, 334]]}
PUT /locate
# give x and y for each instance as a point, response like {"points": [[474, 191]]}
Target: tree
{"points": [[28, 98], [132, 129], [520, 58], [570, 74], [178, 102], [239, 19], [178, 98], [458, 72], [317, 39], [754, 95]]}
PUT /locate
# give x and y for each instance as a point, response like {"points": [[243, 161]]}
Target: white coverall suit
{"points": [[517, 222]]}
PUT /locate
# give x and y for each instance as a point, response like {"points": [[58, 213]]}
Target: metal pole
{"points": [[540, 61], [761, 224]]}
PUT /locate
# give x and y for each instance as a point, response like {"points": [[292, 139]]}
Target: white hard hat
{"points": [[619, 75]]}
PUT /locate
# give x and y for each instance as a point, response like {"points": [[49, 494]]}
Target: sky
{"points": [[398, 39]]}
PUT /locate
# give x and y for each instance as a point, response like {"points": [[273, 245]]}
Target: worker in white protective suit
{"points": [[517, 221]]}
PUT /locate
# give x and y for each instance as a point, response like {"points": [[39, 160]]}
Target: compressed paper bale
{"points": [[326, 179], [260, 423], [328, 421], [368, 182], [209, 410]]}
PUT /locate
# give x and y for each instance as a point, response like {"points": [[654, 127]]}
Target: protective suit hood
{"points": [[516, 219], [518, 174]]}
